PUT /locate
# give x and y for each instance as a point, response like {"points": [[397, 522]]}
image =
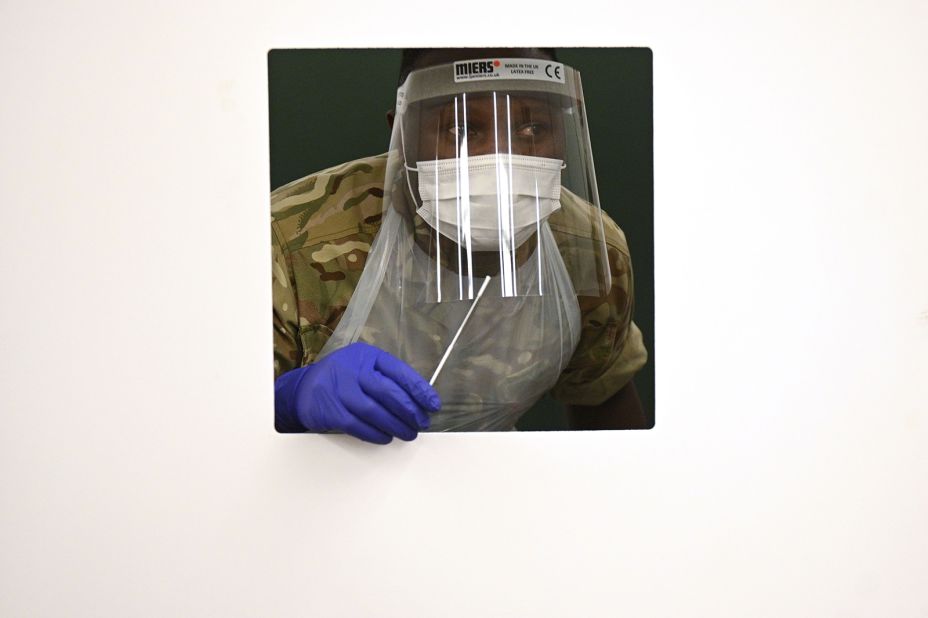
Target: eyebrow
{"points": [[532, 103]]}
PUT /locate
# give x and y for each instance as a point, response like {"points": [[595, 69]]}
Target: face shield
{"points": [[490, 151], [491, 229]]}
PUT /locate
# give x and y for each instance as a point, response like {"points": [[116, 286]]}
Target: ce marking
{"points": [[557, 71]]}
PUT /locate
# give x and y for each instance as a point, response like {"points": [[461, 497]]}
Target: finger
{"points": [[374, 414], [359, 429], [404, 375], [387, 393], [341, 419]]}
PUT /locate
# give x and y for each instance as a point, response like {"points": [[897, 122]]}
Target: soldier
{"points": [[493, 270]]}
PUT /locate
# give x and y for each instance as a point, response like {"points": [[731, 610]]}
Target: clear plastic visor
{"points": [[498, 183]]}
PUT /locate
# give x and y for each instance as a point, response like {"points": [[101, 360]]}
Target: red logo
{"points": [[496, 63]]}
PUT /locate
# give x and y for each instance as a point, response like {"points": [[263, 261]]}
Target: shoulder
{"points": [[577, 217], [341, 200]]}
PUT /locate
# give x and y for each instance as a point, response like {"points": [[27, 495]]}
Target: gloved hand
{"points": [[360, 390]]}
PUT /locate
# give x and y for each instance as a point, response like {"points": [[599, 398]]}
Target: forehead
{"points": [[516, 102]]}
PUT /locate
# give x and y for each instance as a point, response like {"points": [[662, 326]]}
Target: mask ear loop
{"points": [[400, 107], [406, 167]]}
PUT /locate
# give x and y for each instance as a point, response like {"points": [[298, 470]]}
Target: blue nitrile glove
{"points": [[360, 390]]}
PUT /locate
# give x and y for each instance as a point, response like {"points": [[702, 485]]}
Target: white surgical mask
{"points": [[496, 200]]}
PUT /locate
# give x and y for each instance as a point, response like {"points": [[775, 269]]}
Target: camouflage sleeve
{"points": [[611, 349], [321, 229], [287, 348]]}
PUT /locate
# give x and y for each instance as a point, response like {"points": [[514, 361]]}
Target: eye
{"points": [[460, 130], [531, 130]]}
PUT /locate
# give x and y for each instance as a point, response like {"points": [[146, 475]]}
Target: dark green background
{"points": [[329, 106]]}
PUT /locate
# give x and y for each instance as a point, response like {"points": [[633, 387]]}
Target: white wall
{"points": [[140, 472]]}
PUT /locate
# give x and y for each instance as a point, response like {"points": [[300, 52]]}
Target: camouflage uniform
{"points": [[322, 227]]}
